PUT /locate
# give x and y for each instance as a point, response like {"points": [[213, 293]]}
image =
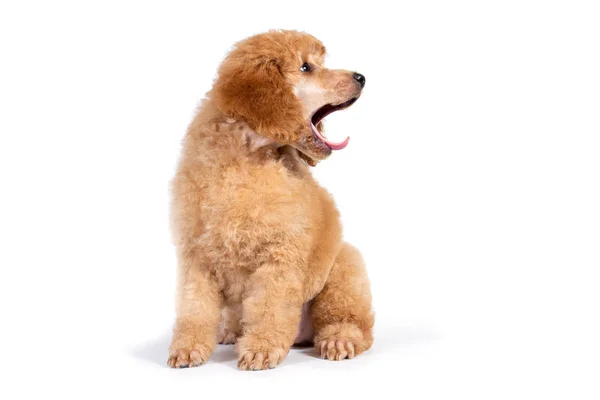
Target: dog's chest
{"points": [[254, 212]]}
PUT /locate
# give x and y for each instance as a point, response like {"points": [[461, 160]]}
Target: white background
{"points": [[471, 184]]}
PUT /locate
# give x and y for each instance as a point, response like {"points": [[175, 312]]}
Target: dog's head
{"points": [[277, 84]]}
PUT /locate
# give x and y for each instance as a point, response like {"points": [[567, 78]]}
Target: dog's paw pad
{"points": [[259, 360], [337, 349], [188, 357]]}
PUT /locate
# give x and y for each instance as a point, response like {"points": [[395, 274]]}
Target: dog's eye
{"points": [[305, 67]]}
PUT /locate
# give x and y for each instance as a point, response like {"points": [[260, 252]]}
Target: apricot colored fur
{"points": [[256, 236]]}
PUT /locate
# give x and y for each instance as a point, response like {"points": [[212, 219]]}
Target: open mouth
{"points": [[322, 113]]}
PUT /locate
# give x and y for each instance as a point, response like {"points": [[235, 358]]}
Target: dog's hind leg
{"points": [[341, 313], [230, 328]]}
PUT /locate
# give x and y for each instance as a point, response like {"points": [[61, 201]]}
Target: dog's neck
{"points": [[233, 138], [261, 148], [253, 141]]}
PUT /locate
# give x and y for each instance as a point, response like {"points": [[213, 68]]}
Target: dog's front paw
{"points": [[256, 354], [337, 349], [337, 342], [259, 360], [188, 356]]}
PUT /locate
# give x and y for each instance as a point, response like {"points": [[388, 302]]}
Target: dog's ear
{"points": [[254, 89]]}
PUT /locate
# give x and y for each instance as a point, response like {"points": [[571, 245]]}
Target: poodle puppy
{"points": [[261, 261]]}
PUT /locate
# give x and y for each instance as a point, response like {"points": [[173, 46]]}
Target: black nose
{"points": [[360, 79]]}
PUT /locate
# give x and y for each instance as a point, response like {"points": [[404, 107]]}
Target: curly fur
{"points": [[256, 237]]}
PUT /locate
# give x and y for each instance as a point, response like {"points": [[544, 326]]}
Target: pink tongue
{"points": [[332, 145]]}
